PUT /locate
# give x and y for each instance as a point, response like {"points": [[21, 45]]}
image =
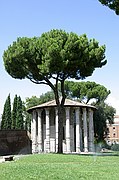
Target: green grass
{"points": [[64, 167]]}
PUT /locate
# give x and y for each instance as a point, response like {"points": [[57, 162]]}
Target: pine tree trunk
{"points": [[60, 128]]}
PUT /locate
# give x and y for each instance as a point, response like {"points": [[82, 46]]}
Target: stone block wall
{"points": [[14, 142]]}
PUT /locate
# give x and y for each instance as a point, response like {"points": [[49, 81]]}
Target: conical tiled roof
{"points": [[68, 103]]}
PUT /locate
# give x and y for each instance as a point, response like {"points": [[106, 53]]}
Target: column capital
{"points": [[84, 109], [67, 111], [77, 107], [90, 110], [34, 112], [56, 110], [38, 110], [67, 108], [47, 110]]}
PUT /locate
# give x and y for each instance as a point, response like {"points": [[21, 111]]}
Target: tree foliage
{"points": [[27, 124], [34, 101], [19, 114], [109, 113], [103, 114], [12, 119], [112, 4], [14, 113], [86, 91], [54, 55], [115, 147], [6, 117]]}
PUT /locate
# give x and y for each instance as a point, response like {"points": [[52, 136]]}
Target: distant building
{"points": [[112, 136]]}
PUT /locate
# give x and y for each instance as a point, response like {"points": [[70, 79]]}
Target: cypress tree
{"points": [[8, 113], [3, 122], [28, 122], [19, 114], [14, 113], [6, 117]]}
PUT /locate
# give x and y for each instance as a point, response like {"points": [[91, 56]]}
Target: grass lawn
{"points": [[64, 167]]}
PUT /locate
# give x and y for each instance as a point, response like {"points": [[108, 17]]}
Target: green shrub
{"points": [[101, 145], [115, 147], [105, 145]]}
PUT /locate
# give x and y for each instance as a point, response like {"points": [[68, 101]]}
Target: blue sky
{"points": [[33, 17]]}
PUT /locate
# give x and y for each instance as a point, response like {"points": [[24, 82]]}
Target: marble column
{"points": [[39, 132], [81, 131], [33, 133], [85, 133], [56, 128], [91, 131], [77, 130], [68, 129], [47, 149]]}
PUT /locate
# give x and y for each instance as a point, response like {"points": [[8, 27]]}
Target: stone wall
{"points": [[14, 142]]}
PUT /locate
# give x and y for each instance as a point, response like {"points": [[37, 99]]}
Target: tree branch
{"points": [[36, 82], [56, 91], [63, 93]]}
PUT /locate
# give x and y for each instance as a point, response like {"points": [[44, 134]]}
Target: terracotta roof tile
{"points": [[68, 102]]}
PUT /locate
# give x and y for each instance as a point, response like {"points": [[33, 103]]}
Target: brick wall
{"points": [[14, 142]]}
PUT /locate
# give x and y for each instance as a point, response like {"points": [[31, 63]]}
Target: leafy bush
{"points": [[115, 147], [101, 145], [105, 145]]}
